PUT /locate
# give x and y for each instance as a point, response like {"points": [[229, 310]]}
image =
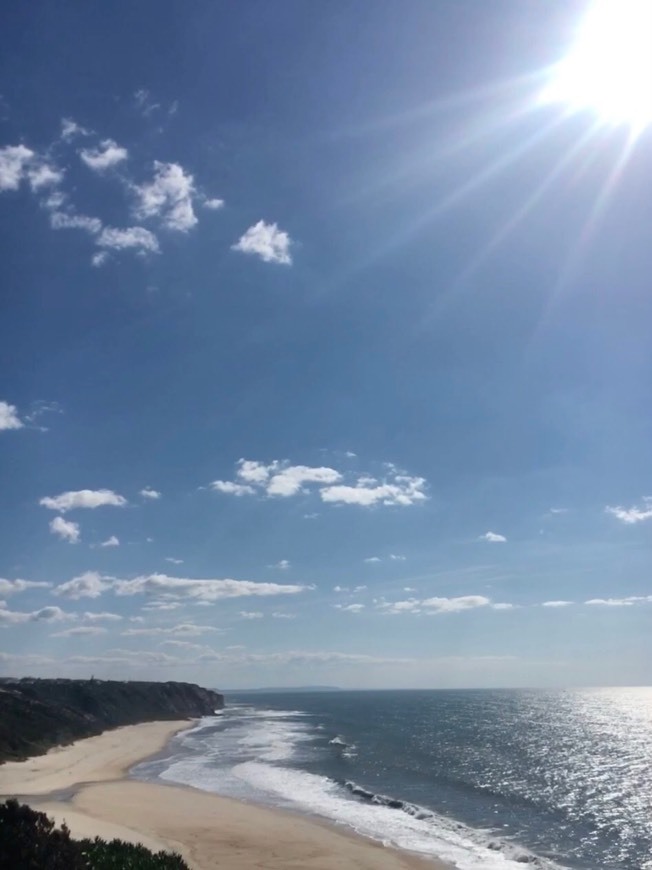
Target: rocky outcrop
{"points": [[38, 714]]}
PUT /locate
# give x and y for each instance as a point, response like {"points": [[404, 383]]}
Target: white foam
{"points": [[437, 836]]}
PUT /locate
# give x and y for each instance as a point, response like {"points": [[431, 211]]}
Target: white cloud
{"points": [[91, 584], [13, 162], [70, 129], [60, 220], [101, 617], [107, 155], [169, 197], [67, 531], [503, 606], [403, 490], [266, 241], [251, 614], [213, 204], [350, 608], [80, 631], [13, 587], [629, 601], [99, 259], [43, 174], [173, 560], [282, 565], [372, 559], [111, 542], [255, 472], [83, 498], [290, 480], [188, 629], [396, 558], [201, 590], [45, 614], [130, 237], [227, 486], [281, 479], [437, 605], [278, 615], [493, 538], [340, 588], [185, 644], [556, 603], [9, 418], [149, 493], [632, 515]]}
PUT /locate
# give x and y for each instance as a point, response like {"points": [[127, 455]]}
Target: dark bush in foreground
{"points": [[29, 840]]}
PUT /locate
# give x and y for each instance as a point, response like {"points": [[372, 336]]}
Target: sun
{"points": [[609, 68]]}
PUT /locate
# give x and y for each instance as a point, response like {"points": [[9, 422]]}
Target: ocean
{"points": [[489, 779]]}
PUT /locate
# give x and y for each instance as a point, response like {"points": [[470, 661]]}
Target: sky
{"points": [[325, 347]]}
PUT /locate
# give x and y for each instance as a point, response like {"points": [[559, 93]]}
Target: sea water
{"points": [[482, 779]]}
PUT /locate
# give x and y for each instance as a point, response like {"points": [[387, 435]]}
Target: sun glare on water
{"points": [[609, 68]]}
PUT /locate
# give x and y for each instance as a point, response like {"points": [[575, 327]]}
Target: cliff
{"points": [[38, 714]]}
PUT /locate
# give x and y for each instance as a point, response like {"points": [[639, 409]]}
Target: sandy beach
{"points": [[85, 784]]}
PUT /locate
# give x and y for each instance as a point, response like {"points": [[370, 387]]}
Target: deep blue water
{"points": [[485, 779]]}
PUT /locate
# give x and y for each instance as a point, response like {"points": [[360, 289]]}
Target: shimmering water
{"points": [[490, 779]]}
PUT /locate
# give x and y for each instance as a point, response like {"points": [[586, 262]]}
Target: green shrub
{"points": [[29, 840]]}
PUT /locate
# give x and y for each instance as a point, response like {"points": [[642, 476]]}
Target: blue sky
{"points": [[325, 349]]}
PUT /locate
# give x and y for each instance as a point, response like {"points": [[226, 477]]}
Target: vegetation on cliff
{"points": [[37, 714], [29, 840]]}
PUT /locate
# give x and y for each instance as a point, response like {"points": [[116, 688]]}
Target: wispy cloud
{"points": [[83, 498], [137, 238], [556, 603], [81, 631], [629, 601], [104, 157], [111, 542], [91, 584], [150, 494], [66, 530], [9, 418], [633, 515], [438, 605], [350, 608], [101, 617], [201, 590], [45, 614], [187, 629], [267, 242], [281, 565], [251, 614], [174, 561], [71, 129], [13, 587], [493, 538]]}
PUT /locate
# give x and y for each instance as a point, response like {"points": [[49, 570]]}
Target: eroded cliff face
{"points": [[38, 714]]}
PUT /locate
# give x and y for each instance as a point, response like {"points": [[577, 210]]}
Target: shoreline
{"points": [[86, 783]]}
